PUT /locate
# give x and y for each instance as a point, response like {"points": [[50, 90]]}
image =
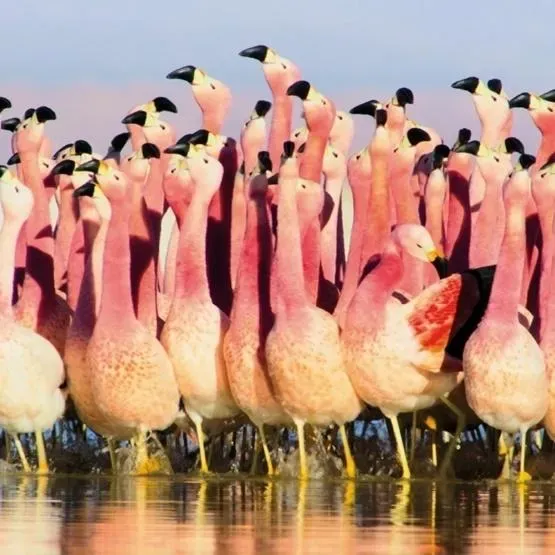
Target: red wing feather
{"points": [[440, 310]]}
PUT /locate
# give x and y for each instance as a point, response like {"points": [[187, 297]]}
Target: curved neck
{"points": [[67, 224], [191, 280], [280, 129], [313, 157], [406, 205], [378, 212], [546, 148], [253, 278], [39, 277], [8, 239], [288, 257], [505, 293], [457, 239], [377, 287], [328, 237], [116, 305], [487, 233]]}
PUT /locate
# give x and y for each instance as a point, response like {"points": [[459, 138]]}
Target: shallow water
{"points": [[144, 516]]}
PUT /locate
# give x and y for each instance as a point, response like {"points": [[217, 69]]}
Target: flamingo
{"points": [[211, 95], [280, 74], [303, 349], [251, 315], [194, 329], [132, 379], [39, 307], [31, 398], [504, 368]]}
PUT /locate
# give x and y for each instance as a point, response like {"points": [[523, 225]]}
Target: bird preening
{"points": [[207, 286]]}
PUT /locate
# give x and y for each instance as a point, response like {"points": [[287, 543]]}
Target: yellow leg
{"points": [[413, 436], [400, 446], [113, 455], [21, 453], [141, 463], [446, 463], [523, 476], [200, 438], [41, 452], [303, 474], [350, 467], [506, 448], [434, 448], [254, 463], [267, 456]]}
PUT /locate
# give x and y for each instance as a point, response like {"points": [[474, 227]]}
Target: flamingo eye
{"points": [[335, 155], [419, 245], [163, 127], [496, 158], [213, 86], [340, 118], [205, 160], [116, 177], [283, 66]]}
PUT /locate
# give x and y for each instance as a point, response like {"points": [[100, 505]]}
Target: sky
{"points": [[93, 61]]}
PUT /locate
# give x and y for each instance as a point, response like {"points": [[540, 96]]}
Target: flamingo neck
{"points": [[487, 234], [313, 157], [505, 293], [280, 128], [191, 281], [116, 305], [252, 294], [457, 239], [8, 239], [67, 224], [329, 235], [290, 280], [39, 278], [378, 216], [406, 205]]}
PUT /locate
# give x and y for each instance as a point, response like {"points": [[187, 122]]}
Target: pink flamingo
{"points": [[194, 329], [251, 315], [303, 349], [211, 95], [253, 139], [542, 111], [39, 307], [67, 218], [131, 376], [505, 376], [335, 172], [93, 206], [32, 371], [280, 74], [494, 166], [137, 167], [434, 197], [543, 191], [457, 238]]}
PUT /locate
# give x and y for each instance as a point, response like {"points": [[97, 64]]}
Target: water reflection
{"points": [[99, 515]]}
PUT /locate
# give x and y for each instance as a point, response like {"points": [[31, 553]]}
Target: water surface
{"points": [[181, 515]]}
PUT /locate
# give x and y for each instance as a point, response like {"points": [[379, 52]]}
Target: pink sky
{"points": [[93, 111]]}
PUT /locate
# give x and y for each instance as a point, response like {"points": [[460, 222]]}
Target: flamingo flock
{"points": [[263, 308]]}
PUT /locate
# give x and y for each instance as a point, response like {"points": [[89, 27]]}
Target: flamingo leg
{"points": [[523, 476], [446, 463], [506, 447], [255, 452], [21, 453], [413, 436], [200, 437], [350, 466], [41, 452], [303, 475], [266, 450], [400, 446], [113, 455]]}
